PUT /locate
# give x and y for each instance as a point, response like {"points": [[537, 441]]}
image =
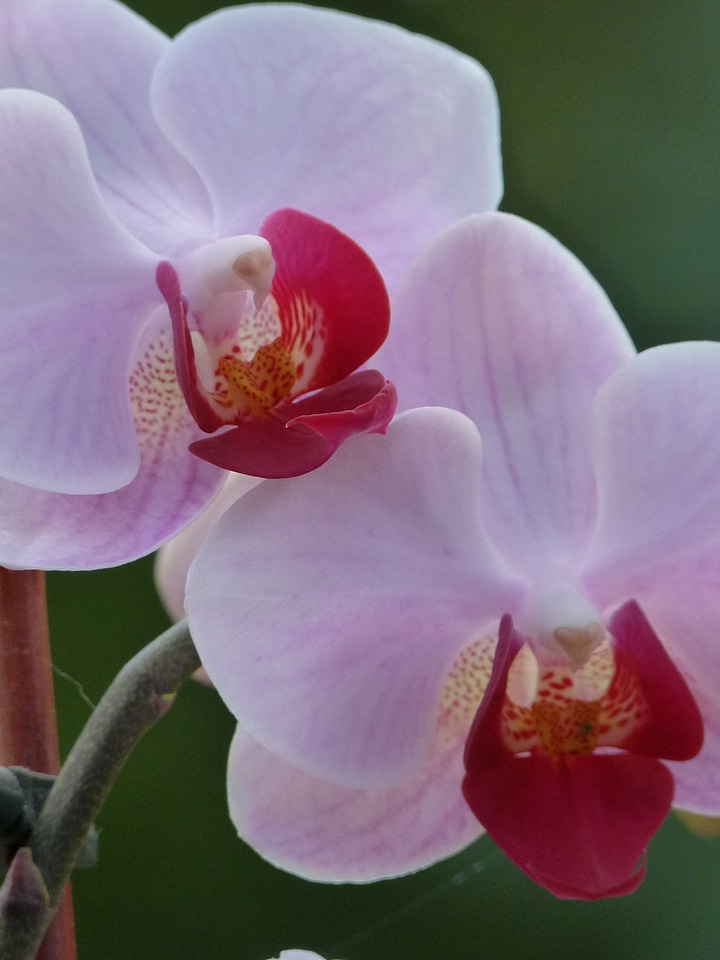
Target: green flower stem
{"points": [[139, 696]]}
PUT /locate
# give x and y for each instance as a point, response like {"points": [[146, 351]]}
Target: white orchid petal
{"points": [[78, 532], [500, 321], [657, 466], [75, 292], [389, 136], [97, 58], [325, 832]]}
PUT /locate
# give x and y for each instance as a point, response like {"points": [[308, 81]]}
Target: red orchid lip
{"points": [[578, 826], [333, 314], [578, 822], [286, 445]]}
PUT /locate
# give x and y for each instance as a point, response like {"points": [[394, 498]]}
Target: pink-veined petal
{"points": [[580, 825], [336, 834], [349, 312], [174, 558], [78, 532], [327, 610], [498, 320], [657, 468], [257, 98], [75, 293], [97, 58]]}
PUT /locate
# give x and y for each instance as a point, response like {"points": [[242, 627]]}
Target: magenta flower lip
{"points": [[332, 313], [575, 819]]}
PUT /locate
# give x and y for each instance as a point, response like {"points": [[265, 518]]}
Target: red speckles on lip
{"points": [[555, 719], [253, 388], [563, 719], [264, 360], [624, 709], [304, 335]]}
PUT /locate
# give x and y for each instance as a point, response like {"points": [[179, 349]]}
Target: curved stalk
{"points": [[139, 696]]}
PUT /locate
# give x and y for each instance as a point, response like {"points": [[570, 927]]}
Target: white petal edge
{"points": [[174, 558], [298, 955], [334, 834]]}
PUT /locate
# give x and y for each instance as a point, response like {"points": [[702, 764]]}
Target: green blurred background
{"points": [[611, 126]]}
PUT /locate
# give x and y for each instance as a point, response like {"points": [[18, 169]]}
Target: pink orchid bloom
{"points": [[159, 288], [502, 616]]}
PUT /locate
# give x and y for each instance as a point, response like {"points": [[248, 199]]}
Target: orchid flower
{"points": [[502, 616], [175, 264]]}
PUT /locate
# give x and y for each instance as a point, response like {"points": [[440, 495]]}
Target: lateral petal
{"points": [[80, 532], [657, 468], [336, 834], [75, 292]]}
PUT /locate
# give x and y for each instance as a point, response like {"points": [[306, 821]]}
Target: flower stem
{"points": [[28, 734], [28, 729], [139, 696]]}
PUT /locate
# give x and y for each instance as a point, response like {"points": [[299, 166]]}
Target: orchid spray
{"points": [[447, 544]]}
